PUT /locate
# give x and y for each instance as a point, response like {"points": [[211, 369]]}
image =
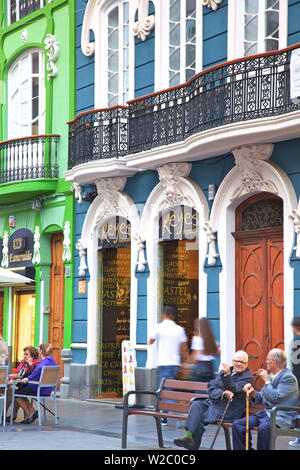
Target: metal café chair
{"points": [[3, 391], [49, 378]]}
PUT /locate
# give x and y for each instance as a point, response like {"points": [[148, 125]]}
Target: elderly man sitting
{"points": [[228, 384], [280, 388]]}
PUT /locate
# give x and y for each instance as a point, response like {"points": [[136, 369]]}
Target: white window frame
{"points": [[14, 132], [101, 56], [236, 28], [162, 42], [42, 4]]}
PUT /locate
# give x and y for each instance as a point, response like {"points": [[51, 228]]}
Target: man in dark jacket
{"points": [[228, 385]]}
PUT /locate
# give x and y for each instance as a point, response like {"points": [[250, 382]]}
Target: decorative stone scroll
{"points": [[146, 22], [211, 241], [141, 260], [295, 218], [82, 254], [4, 262], [52, 48], [212, 3], [67, 243], [77, 192], [36, 259]]}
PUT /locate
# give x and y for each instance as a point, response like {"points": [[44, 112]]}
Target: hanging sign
{"points": [[128, 370], [114, 233], [178, 223], [20, 248], [295, 76]]}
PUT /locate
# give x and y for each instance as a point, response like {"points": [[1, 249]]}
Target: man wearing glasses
{"points": [[280, 388], [228, 385]]}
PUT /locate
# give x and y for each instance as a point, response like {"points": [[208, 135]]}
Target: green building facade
{"points": [[37, 57]]}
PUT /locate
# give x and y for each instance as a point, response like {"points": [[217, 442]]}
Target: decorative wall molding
{"points": [[4, 262], [247, 160], [169, 176], [295, 218], [82, 254], [24, 35], [36, 259], [141, 260], [146, 22], [212, 3], [52, 48], [67, 243], [77, 192], [211, 241], [108, 190]]}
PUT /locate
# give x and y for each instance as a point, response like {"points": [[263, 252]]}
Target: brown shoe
{"points": [[186, 442]]}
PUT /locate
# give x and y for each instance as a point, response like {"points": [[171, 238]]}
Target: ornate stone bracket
{"points": [[211, 241], [52, 48], [82, 253], [295, 218], [145, 23], [108, 190], [247, 160], [212, 3], [36, 259], [4, 262], [67, 243], [169, 176], [77, 192]]}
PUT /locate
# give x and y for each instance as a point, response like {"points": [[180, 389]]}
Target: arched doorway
{"points": [[259, 277]]}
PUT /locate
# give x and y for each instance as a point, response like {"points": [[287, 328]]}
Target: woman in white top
{"points": [[204, 351]]}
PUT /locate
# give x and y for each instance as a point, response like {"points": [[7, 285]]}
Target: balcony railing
{"points": [[237, 91], [20, 8], [98, 134], [29, 158]]}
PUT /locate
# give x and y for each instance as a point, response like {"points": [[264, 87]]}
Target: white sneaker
{"points": [[295, 443]]}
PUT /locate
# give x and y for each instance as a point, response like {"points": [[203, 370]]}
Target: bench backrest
{"points": [[180, 392], [3, 375]]}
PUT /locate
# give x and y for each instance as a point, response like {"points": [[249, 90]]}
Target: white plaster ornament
{"points": [[52, 48], [36, 259]]}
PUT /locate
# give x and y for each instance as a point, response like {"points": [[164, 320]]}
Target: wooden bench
{"points": [[181, 392]]}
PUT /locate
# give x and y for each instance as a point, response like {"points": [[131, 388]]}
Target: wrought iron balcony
{"points": [[249, 88], [29, 158], [20, 8], [98, 134]]}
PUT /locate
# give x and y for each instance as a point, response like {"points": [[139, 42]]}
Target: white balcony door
{"points": [[26, 108]]}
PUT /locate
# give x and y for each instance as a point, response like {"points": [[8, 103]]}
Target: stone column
{"points": [[66, 357]]}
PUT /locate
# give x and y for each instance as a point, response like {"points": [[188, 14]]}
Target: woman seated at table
{"points": [[24, 369], [45, 351]]}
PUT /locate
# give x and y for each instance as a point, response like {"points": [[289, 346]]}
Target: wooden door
{"points": [[57, 298], [259, 296]]}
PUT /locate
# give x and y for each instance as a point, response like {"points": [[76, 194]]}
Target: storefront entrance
{"points": [[179, 265], [259, 278], [114, 301], [24, 322]]}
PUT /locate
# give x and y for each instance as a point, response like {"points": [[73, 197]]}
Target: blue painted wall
{"points": [[215, 35]]}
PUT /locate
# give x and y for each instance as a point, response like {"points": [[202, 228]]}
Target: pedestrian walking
{"points": [[204, 351], [171, 346]]}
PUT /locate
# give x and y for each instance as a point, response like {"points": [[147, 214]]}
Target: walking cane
{"points": [[220, 424], [247, 419]]}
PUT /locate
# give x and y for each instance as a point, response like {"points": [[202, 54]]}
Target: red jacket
{"points": [[28, 369]]}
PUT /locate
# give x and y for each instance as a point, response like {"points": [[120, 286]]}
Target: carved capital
{"points": [[143, 27], [247, 160], [169, 176]]}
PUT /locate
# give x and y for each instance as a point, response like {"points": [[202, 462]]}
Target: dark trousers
{"points": [[260, 420], [196, 421]]}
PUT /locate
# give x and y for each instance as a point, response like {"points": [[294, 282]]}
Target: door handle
{"points": [[253, 357]]}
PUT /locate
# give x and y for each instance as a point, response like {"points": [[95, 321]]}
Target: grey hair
{"points": [[280, 356]]}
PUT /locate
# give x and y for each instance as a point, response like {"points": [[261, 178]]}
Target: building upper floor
{"points": [[181, 79], [37, 79]]}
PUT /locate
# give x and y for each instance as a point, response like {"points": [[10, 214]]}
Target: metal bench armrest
{"points": [[275, 410], [138, 392]]}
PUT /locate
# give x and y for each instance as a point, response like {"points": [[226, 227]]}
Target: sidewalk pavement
{"points": [[91, 425]]}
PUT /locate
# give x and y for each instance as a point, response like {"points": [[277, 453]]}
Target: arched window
{"points": [[256, 26], [184, 40], [26, 95], [117, 53]]}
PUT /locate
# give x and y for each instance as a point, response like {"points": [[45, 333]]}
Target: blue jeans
{"points": [[167, 372]]}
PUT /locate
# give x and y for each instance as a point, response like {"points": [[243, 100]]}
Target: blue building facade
{"points": [[184, 153]]}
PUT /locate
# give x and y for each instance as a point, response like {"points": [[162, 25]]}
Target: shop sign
{"points": [[179, 223], [20, 248], [114, 233], [81, 287]]}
